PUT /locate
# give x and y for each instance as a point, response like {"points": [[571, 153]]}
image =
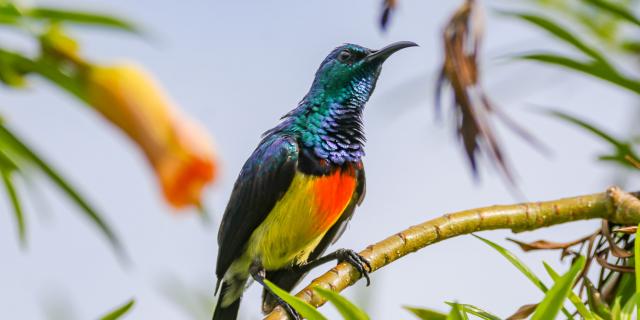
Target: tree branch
{"points": [[614, 205]]}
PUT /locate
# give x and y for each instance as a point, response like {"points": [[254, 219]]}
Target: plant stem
{"points": [[614, 205]]}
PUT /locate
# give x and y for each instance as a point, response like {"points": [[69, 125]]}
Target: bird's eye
{"points": [[344, 56]]}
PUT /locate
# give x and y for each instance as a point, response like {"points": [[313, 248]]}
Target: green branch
{"points": [[614, 205]]}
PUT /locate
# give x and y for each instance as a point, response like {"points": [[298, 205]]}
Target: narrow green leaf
{"points": [[573, 297], [80, 17], [516, 262], [627, 311], [616, 309], [560, 33], [15, 203], [119, 312], [9, 13], [426, 314], [18, 146], [456, 313], [622, 148], [636, 251], [592, 69], [555, 297], [522, 267], [306, 310], [616, 10], [46, 69], [347, 309], [467, 308]]}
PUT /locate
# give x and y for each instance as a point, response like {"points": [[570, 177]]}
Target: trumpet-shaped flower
{"points": [[178, 148]]}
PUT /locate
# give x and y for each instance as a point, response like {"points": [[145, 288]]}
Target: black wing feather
{"points": [[263, 180]]}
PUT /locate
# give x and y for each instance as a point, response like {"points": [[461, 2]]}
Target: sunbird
{"points": [[296, 193]]}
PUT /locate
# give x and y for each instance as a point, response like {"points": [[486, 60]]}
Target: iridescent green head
{"points": [[350, 65], [328, 121]]}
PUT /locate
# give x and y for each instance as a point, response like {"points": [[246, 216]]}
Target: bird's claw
{"points": [[357, 261]]}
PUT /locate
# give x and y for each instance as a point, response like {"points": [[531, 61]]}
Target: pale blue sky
{"points": [[237, 66]]}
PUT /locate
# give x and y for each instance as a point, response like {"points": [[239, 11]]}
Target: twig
{"points": [[614, 205]]}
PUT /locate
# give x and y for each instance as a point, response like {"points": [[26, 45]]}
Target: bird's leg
{"points": [[341, 255], [258, 274]]}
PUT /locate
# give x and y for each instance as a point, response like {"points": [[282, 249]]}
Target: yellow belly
{"points": [[299, 221]]}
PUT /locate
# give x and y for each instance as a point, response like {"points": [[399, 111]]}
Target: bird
{"points": [[299, 188]]}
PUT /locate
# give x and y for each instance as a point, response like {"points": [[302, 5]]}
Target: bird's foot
{"points": [[356, 260]]}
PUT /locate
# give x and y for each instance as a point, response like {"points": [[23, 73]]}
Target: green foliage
{"points": [[471, 309], [306, 310], [12, 14], [426, 314], [636, 251], [622, 149], [573, 297], [456, 313], [7, 179], [58, 50], [14, 151], [605, 19], [119, 311], [516, 262], [555, 297], [522, 267], [347, 309]]}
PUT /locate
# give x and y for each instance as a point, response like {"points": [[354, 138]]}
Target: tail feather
{"points": [[229, 312]]}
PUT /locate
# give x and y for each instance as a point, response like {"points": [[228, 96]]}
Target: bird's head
{"points": [[353, 70]]}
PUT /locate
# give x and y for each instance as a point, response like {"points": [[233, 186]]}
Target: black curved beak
{"points": [[381, 55]]}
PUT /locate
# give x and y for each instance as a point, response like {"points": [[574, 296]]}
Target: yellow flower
{"points": [[179, 150]]}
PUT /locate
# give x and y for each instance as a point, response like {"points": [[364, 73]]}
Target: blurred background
{"points": [[236, 67]]}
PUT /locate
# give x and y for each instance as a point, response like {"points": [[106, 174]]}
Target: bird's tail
{"points": [[228, 312]]}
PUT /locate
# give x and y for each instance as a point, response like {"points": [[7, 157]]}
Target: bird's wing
{"points": [[263, 180], [287, 279]]}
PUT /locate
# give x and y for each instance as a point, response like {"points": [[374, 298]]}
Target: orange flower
{"points": [[179, 150]]}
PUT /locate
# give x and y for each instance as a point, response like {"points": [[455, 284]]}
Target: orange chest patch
{"points": [[333, 193]]}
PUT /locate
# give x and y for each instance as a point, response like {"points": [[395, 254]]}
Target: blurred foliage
{"points": [[120, 311], [17, 158], [177, 148], [604, 34]]}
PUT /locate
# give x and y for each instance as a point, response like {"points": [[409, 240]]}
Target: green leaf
{"points": [[46, 69], [306, 310], [636, 251], [522, 267], [560, 33], [15, 203], [347, 309], [592, 69], [456, 313], [468, 308], [555, 297], [426, 314], [616, 309], [24, 151], [627, 311], [616, 10], [119, 312], [622, 148], [516, 262], [573, 297], [9, 13]]}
